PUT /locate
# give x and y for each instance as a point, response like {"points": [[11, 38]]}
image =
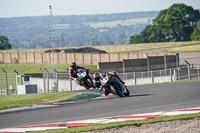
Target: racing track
{"points": [[143, 99]]}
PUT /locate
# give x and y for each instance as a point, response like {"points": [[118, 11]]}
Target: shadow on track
{"points": [[140, 95]]}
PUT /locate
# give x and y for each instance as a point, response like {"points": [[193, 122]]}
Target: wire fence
{"points": [[8, 82], [53, 81], [187, 72]]}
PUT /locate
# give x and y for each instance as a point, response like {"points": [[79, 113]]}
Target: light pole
{"points": [[52, 37]]}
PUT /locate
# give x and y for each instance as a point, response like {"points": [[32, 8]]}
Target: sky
{"points": [[20, 8]]}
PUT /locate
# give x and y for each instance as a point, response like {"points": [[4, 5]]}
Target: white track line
{"points": [[101, 120]]}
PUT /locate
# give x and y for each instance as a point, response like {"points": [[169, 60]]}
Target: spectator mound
{"points": [[78, 50]]}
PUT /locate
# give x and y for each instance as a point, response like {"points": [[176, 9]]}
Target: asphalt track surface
{"points": [[143, 99]]}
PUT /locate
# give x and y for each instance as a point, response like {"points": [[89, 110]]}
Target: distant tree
{"points": [[196, 34], [173, 24], [4, 44]]}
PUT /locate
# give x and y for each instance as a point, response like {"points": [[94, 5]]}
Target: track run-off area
{"points": [[143, 99]]}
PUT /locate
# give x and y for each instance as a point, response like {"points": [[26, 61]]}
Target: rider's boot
{"points": [[106, 92]]}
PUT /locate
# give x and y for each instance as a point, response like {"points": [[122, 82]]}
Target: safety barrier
{"points": [[53, 81]]}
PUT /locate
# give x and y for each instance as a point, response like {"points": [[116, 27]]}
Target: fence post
{"points": [[135, 80], [47, 72], [177, 60], [56, 83], [170, 72], [134, 74], [148, 65], [16, 79], [43, 74], [152, 77], [124, 69], [189, 72], [6, 81], [70, 83], [175, 74], [165, 64]]}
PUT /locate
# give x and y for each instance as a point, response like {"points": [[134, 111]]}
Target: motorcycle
{"points": [[113, 85], [84, 78]]}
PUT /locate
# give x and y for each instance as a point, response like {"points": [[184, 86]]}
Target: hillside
{"points": [[75, 30]]}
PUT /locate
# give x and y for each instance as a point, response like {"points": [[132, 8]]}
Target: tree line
{"points": [[177, 23]]}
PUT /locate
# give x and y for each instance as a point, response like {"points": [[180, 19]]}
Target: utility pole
{"points": [[52, 40]]}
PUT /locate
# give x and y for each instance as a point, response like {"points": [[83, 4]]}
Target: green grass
{"points": [[93, 127], [14, 101], [186, 48], [175, 47], [35, 68]]}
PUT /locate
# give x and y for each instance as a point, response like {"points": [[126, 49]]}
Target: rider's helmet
{"points": [[114, 73], [73, 65], [96, 76]]}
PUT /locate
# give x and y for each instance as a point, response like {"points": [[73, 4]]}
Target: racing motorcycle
{"points": [[113, 85], [84, 78]]}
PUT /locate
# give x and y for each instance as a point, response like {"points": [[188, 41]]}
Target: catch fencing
{"points": [[186, 72], [53, 81], [8, 82], [170, 74]]}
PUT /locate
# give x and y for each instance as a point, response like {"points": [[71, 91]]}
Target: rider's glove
{"points": [[99, 89]]}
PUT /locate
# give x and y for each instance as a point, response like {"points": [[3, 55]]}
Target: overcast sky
{"points": [[19, 8]]}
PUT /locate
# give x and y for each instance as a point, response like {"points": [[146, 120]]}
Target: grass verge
{"points": [[137, 123], [14, 101]]}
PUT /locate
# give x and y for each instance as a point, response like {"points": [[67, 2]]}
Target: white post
{"points": [[135, 80], [152, 77]]}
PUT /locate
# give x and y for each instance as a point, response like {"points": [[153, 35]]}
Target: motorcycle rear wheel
{"points": [[127, 92], [118, 90]]}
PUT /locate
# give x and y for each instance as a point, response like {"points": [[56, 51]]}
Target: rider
{"points": [[73, 71], [116, 75], [97, 82]]}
